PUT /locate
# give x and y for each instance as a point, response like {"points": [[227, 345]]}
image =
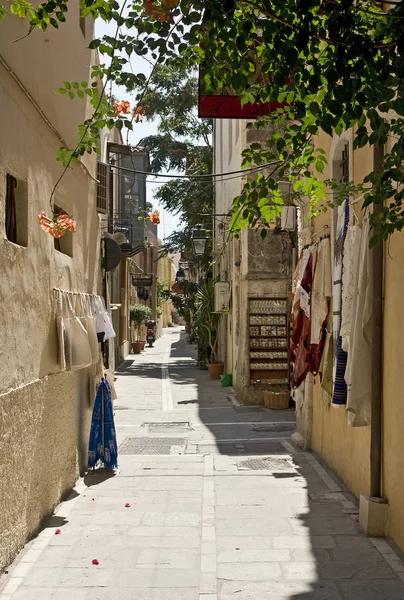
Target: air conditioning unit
{"points": [[288, 218], [222, 297]]}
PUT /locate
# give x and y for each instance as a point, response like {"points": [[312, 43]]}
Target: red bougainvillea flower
{"points": [[95, 561], [127, 505], [58, 225], [121, 108], [138, 113], [58, 532], [155, 217], [157, 12]]}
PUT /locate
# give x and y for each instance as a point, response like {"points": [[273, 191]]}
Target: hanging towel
{"points": [[300, 342], [359, 368], [351, 256], [321, 291], [102, 445]]}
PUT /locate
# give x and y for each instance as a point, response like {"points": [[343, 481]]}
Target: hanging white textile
{"points": [[358, 373], [351, 257], [321, 289], [300, 297], [82, 321], [337, 270], [105, 330], [63, 332]]}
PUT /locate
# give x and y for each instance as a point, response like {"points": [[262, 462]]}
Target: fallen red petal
{"points": [[95, 562], [127, 505], [57, 532]]}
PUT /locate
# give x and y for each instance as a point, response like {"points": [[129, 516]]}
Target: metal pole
{"points": [[377, 366]]}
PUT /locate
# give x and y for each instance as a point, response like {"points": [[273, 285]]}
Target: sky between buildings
{"points": [[169, 222]]}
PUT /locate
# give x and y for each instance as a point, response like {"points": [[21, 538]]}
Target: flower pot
{"points": [[137, 347], [227, 380], [143, 342], [215, 370]]}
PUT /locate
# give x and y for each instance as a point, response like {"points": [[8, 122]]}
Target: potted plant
{"points": [[139, 314], [209, 321]]}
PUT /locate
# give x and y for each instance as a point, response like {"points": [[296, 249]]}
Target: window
{"points": [[345, 164], [65, 243], [16, 211], [102, 187]]}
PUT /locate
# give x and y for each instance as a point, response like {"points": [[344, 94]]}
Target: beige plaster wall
{"points": [[229, 142], [43, 447], [393, 369], [44, 413], [166, 277], [347, 449]]}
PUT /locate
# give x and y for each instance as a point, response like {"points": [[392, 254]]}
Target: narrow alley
{"points": [[211, 502]]}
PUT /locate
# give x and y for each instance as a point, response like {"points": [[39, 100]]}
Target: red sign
{"points": [[230, 107]]}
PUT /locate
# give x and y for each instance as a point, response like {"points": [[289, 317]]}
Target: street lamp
{"points": [[199, 238], [180, 276]]}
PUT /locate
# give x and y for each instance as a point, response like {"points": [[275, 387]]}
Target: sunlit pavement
{"points": [[211, 502]]}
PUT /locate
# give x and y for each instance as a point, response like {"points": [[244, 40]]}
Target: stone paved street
{"points": [[221, 506]]}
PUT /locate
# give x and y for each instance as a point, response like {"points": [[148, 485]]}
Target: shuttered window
{"points": [[102, 187]]}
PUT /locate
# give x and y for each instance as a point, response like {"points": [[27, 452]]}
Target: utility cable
{"points": [[241, 172]]}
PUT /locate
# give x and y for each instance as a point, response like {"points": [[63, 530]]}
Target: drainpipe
{"points": [[377, 357]]}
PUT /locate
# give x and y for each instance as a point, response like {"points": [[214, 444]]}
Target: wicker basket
{"points": [[276, 400]]}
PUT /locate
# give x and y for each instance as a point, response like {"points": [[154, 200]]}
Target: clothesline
{"points": [[74, 293]]}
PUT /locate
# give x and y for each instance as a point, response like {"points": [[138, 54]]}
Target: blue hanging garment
{"points": [[102, 445], [340, 392]]}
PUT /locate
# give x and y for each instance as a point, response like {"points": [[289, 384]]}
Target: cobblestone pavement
{"points": [[211, 502]]}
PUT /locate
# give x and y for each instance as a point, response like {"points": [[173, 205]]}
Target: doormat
{"points": [[270, 463], [143, 445], [180, 426]]}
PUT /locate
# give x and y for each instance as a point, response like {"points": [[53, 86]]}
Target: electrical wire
{"points": [[240, 173]]}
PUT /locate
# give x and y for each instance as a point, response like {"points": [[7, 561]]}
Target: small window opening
{"points": [[63, 244], [16, 211]]}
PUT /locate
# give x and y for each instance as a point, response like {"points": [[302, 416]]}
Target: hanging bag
{"points": [[63, 332], [80, 346], [89, 324], [109, 329], [99, 316]]}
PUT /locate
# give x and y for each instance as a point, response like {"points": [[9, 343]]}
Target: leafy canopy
{"points": [[182, 144], [334, 64]]}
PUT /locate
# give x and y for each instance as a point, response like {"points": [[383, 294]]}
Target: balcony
{"points": [[133, 230], [127, 207]]}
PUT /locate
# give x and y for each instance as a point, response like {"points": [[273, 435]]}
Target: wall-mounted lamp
{"points": [[199, 238], [180, 276]]}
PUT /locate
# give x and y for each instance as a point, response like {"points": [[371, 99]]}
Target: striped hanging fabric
{"points": [[340, 390]]}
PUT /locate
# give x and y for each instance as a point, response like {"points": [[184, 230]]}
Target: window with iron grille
{"points": [[102, 187], [345, 165]]}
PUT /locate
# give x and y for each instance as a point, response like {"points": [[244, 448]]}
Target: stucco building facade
{"points": [[44, 412], [259, 273], [347, 449]]}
